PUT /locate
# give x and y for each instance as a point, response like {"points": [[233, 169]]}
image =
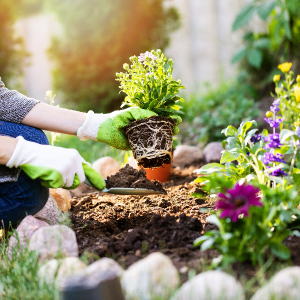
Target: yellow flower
{"points": [[297, 93], [269, 114], [276, 78], [298, 78], [285, 67], [297, 124]]}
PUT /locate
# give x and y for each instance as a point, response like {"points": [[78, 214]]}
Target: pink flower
{"points": [[237, 201], [143, 56]]}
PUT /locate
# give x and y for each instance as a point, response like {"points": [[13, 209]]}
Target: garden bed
{"points": [[128, 228]]}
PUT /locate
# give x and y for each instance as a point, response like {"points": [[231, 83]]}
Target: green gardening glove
{"points": [[55, 166], [109, 128]]}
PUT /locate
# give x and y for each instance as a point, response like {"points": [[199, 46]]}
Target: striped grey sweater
{"points": [[13, 108]]}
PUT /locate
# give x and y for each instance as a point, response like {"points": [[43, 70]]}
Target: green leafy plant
{"points": [[251, 226], [262, 52], [213, 109], [148, 84]]}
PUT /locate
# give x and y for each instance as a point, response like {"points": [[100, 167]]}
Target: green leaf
{"points": [[280, 250], [213, 219], [176, 107], [296, 178], [265, 9], [229, 131], [255, 57], [200, 240], [210, 168], [263, 43], [207, 244], [229, 156], [201, 179], [286, 24], [244, 16], [239, 54], [285, 134]]}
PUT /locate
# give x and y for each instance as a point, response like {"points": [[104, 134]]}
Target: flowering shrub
{"points": [[252, 223], [149, 84]]}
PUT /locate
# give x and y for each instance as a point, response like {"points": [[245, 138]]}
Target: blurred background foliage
{"points": [[12, 50], [99, 37], [279, 42]]}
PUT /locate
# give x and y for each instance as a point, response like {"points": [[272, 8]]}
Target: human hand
{"points": [[109, 128], [55, 166]]}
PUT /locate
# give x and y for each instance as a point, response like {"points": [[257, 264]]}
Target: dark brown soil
{"points": [[129, 177], [153, 133], [128, 228]]}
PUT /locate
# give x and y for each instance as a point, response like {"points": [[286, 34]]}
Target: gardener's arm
{"points": [[55, 119], [7, 147]]}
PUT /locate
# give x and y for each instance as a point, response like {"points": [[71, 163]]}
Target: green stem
{"points": [[294, 157]]}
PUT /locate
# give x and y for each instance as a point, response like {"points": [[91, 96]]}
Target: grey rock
{"points": [[284, 285], [54, 270], [54, 241], [23, 233], [186, 155], [211, 285], [150, 278], [212, 152]]}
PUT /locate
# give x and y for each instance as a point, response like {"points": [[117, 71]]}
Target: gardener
{"points": [[29, 166]]}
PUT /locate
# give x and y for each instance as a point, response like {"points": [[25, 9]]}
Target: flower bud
{"points": [[269, 114], [298, 78], [276, 78], [277, 90]]}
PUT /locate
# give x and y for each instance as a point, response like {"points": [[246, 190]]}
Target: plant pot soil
{"points": [[128, 177], [151, 141]]}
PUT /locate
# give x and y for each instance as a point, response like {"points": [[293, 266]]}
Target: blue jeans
{"points": [[26, 196]]}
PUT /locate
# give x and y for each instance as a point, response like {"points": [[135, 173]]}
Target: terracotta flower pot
{"points": [[161, 174]]}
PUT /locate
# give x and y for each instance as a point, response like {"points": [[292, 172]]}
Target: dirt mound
{"points": [[129, 177]]}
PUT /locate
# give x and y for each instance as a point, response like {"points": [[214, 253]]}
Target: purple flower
{"points": [[274, 108], [270, 157], [237, 201], [278, 172], [142, 57], [297, 131], [256, 138], [273, 123], [273, 141], [276, 102]]}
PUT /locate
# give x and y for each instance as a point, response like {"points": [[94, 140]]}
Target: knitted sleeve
{"points": [[14, 106]]}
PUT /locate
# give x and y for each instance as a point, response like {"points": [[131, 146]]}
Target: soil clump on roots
{"points": [[151, 141], [129, 177]]}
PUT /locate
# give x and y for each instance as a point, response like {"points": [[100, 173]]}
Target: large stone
{"points": [[151, 277], [50, 212], [81, 189], [54, 241], [103, 265], [211, 285], [186, 155], [54, 270], [23, 233], [212, 152], [284, 285], [62, 198], [106, 166]]}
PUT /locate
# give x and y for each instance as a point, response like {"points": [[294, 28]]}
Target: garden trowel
{"points": [[124, 191]]}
